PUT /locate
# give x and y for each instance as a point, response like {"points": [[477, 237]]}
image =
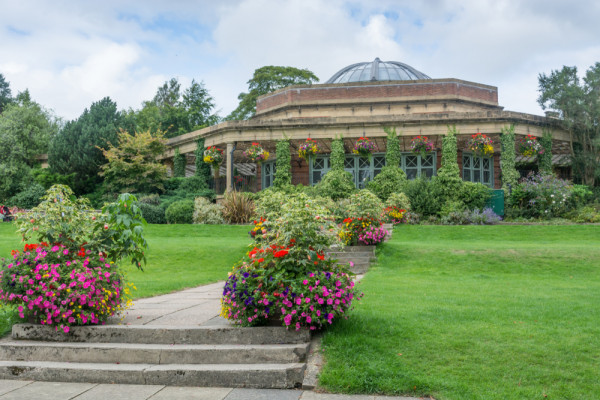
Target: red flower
{"points": [[14, 252], [321, 256], [81, 252], [260, 260], [280, 253]]}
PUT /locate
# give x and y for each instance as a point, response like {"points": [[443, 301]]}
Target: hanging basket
{"points": [[256, 153], [529, 146], [421, 145], [481, 145], [364, 147], [213, 156], [308, 148]]}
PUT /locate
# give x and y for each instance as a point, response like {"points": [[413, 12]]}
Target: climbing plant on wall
{"points": [[545, 159], [179, 163], [338, 154], [510, 175], [392, 154], [283, 173]]}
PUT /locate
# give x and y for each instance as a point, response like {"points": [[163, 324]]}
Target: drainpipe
{"points": [[230, 149]]}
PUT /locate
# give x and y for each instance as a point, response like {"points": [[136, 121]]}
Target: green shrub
{"points": [[237, 208], [283, 173], [192, 184], [179, 163], [475, 195], [46, 178], [172, 184], [399, 200], [270, 203], [28, 198], [153, 214], [585, 215], [391, 179], [364, 204], [152, 199], [424, 196], [338, 154], [510, 175], [393, 154], [180, 212], [336, 185], [206, 212], [581, 195], [540, 196]]}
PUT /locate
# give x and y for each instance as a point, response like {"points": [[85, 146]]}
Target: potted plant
{"points": [[364, 147], [421, 145], [308, 148], [256, 153], [213, 156], [529, 146], [481, 145]]}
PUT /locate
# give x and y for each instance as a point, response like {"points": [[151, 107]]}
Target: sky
{"points": [[70, 54]]}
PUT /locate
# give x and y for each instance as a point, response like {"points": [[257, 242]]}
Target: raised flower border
{"points": [[256, 153], [481, 145]]}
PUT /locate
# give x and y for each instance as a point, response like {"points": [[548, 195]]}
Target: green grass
{"points": [[503, 312], [179, 257]]}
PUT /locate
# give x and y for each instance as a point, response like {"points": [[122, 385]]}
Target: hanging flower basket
{"points": [[256, 153], [481, 145], [364, 147], [529, 146], [213, 156], [308, 148], [421, 145]]}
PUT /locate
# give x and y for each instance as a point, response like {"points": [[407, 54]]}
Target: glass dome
{"points": [[377, 71]]}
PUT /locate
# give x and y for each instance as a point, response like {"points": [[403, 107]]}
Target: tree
{"points": [[266, 80], [25, 129], [174, 112], [78, 147], [578, 108], [132, 164], [5, 93]]}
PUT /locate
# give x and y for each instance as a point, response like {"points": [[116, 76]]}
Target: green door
{"points": [[496, 202]]}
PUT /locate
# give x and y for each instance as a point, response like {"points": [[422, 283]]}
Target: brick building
{"points": [[360, 100]]}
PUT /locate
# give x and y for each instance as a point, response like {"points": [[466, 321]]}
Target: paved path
{"points": [[197, 306]]}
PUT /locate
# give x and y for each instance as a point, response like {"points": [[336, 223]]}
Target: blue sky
{"points": [[70, 54]]}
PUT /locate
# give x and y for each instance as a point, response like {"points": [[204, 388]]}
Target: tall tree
{"points": [[266, 80], [25, 129], [578, 108], [5, 93], [174, 112], [78, 147]]}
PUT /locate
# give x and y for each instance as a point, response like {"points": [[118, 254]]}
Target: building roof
{"points": [[377, 70]]}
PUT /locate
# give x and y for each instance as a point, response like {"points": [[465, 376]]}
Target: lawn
{"points": [[179, 257], [476, 312]]}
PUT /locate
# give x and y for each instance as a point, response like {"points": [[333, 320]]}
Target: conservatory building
{"points": [[360, 101]]}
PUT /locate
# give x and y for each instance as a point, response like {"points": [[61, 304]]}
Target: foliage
{"points": [[62, 288], [471, 217], [390, 180], [529, 146], [283, 172], [399, 200], [338, 154], [179, 164], [310, 147], [421, 145], [510, 175], [153, 214], [424, 196], [237, 208], [364, 147], [545, 158], [28, 198], [587, 214], [364, 213], [25, 130], [393, 155], [266, 80], [481, 145], [78, 147], [475, 195], [152, 199], [256, 153], [173, 112], [578, 108], [180, 212], [336, 184], [132, 165], [5, 93], [448, 180], [62, 218], [47, 178], [581, 195], [202, 169], [206, 212], [540, 196], [213, 156], [364, 204]]}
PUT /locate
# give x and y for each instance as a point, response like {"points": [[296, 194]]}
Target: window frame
{"points": [[472, 170], [264, 176], [419, 167]]}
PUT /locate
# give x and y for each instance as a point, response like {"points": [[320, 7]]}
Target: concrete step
{"points": [[152, 353], [359, 268], [354, 257], [268, 376], [353, 249], [160, 334]]}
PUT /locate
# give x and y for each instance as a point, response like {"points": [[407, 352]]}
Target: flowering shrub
{"points": [[256, 153], [481, 145], [353, 229], [364, 147], [540, 196], [393, 214], [258, 230], [421, 145], [530, 146], [372, 235], [474, 217], [56, 287], [308, 148], [213, 156]]}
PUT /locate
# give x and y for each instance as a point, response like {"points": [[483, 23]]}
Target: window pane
{"points": [[427, 161], [411, 173], [466, 161], [364, 163], [466, 174], [476, 176], [411, 161], [319, 163], [316, 177], [379, 161], [428, 172], [486, 177], [476, 162], [363, 177], [486, 163], [349, 163]]}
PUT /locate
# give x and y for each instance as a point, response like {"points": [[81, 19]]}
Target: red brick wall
{"points": [[377, 91]]}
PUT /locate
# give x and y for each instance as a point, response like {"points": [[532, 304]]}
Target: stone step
{"points": [[160, 334], [354, 257], [268, 376], [152, 353], [359, 268], [353, 249]]}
